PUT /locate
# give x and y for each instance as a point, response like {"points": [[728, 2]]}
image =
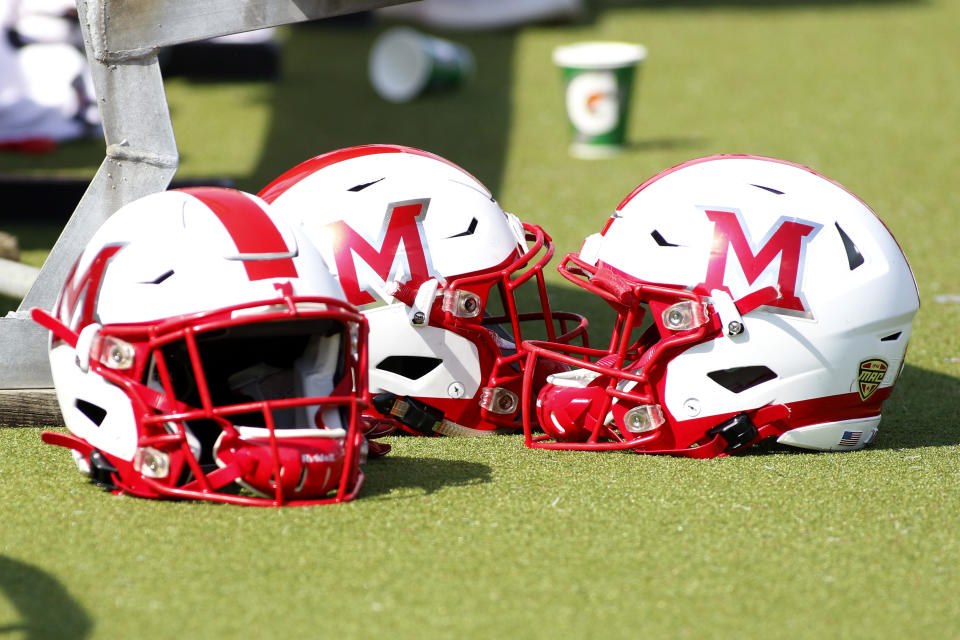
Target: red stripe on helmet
{"points": [[308, 167], [731, 156], [252, 230]]}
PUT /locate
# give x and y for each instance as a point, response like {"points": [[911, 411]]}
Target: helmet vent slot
{"points": [[162, 277], [96, 414], [740, 379], [469, 231], [660, 240], [854, 257], [891, 337], [770, 189], [410, 367], [361, 187]]}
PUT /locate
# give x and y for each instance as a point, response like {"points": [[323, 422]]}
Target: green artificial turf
{"points": [[484, 538]]}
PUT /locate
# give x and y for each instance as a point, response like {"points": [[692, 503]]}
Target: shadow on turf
{"points": [[324, 101], [45, 608], [387, 474]]}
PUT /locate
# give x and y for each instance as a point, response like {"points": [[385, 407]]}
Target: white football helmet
{"points": [[200, 349], [755, 299], [426, 251]]}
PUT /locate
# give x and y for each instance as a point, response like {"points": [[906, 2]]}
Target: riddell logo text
{"points": [[317, 458], [402, 225], [786, 239]]}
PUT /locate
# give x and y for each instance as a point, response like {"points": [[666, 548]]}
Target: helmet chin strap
{"points": [[417, 296], [448, 428], [731, 311], [409, 412], [757, 298], [734, 434], [421, 417]]}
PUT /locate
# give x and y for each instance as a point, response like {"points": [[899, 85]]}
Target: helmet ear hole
{"points": [[739, 379], [94, 413], [410, 367]]}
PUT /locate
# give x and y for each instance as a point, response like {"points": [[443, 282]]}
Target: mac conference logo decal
{"points": [[870, 375]]}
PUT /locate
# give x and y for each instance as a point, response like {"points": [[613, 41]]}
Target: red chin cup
{"points": [[376, 427], [565, 412], [309, 467], [544, 368]]}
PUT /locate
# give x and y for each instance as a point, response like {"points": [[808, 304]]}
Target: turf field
{"points": [[485, 538]]}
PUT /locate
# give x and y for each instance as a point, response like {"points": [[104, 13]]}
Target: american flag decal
{"points": [[851, 438]]}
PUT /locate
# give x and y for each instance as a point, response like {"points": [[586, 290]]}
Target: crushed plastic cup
{"points": [[405, 64]]}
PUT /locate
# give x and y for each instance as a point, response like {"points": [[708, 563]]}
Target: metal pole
{"points": [[121, 38]]}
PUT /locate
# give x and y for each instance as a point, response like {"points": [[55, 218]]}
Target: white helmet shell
{"points": [[188, 304], [410, 236], [807, 301]]}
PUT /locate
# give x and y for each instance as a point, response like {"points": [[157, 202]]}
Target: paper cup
{"points": [[598, 81], [405, 63]]}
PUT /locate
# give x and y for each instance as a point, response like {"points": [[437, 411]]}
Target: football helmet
{"points": [[755, 299], [434, 262], [200, 349]]}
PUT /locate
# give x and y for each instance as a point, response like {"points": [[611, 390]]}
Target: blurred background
{"points": [[866, 92]]}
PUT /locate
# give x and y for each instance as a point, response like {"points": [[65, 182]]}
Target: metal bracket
{"points": [[121, 38]]}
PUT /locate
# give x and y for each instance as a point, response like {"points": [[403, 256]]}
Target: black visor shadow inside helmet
{"points": [[254, 362]]}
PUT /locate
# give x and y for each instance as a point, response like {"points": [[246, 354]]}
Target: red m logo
{"points": [[785, 239], [83, 290], [402, 223]]}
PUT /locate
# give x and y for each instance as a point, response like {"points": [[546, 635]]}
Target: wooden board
{"points": [[29, 408]]}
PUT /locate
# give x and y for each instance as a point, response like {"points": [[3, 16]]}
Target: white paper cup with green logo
{"points": [[405, 64], [598, 82]]}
